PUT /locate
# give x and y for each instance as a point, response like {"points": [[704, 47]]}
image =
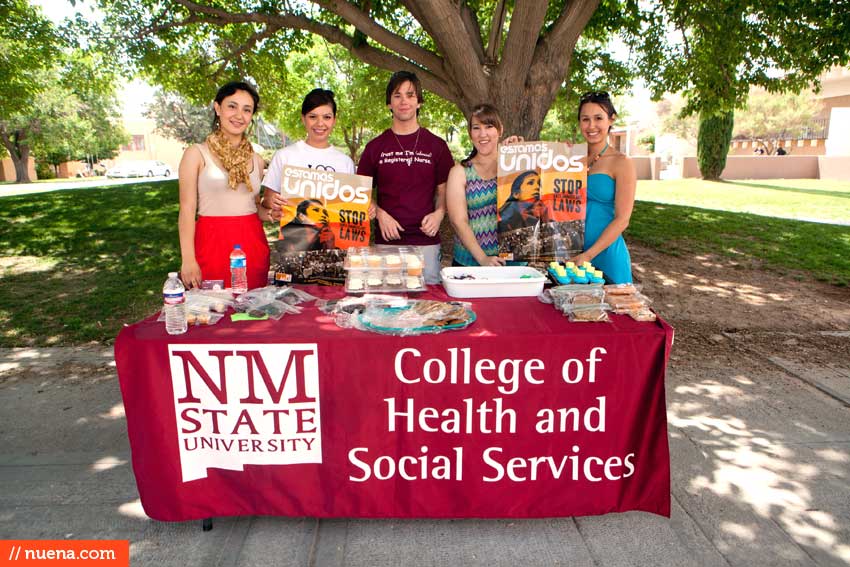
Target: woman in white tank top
{"points": [[220, 182]]}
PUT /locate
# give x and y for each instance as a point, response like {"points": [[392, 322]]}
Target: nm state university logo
{"points": [[252, 404]]}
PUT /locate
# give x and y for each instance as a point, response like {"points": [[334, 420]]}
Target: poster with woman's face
{"points": [[327, 211], [541, 196]]}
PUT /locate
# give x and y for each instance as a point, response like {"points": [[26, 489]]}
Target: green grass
{"points": [[756, 222], [807, 249], [76, 265], [801, 199]]}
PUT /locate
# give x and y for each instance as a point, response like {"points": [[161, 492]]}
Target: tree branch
{"points": [[345, 10], [473, 28], [436, 84], [526, 22], [394, 42], [443, 23], [571, 23], [495, 40], [562, 38], [237, 53], [419, 14]]}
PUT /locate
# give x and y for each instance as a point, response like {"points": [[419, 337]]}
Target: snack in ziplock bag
{"points": [[197, 315], [259, 302], [565, 296], [625, 303], [254, 296], [292, 296], [621, 289], [643, 314], [346, 309], [202, 317], [274, 309], [589, 314], [545, 296], [217, 301]]}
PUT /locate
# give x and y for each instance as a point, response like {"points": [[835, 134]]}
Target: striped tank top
{"points": [[481, 208]]}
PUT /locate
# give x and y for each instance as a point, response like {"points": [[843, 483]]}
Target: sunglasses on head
{"points": [[593, 94]]}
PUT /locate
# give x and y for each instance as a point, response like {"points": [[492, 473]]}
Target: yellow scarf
{"points": [[236, 161]]}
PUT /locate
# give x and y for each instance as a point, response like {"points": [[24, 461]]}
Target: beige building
{"points": [[146, 144], [835, 90], [7, 169], [835, 93]]}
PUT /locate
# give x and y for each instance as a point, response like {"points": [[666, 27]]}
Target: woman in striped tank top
{"points": [[471, 192]]}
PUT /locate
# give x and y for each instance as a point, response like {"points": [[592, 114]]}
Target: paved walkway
{"points": [[8, 190], [760, 476]]}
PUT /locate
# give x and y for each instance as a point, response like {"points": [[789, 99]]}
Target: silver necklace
{"points": [[415, 144]]}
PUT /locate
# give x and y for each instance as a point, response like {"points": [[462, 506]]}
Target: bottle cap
{"points": [[237, 247], [172, 274]]}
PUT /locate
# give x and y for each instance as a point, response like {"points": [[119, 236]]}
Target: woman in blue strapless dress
{"points": [[611, 184]]}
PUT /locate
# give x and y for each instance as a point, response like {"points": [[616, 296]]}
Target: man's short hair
{"points": [[401, 77]]}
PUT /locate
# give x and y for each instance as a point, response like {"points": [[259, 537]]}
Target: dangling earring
{"points": [[217, 122]]}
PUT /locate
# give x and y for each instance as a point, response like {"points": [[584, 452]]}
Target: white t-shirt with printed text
{"points": [[301, 154]]}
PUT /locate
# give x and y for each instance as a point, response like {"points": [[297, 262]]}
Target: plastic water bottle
{"points": [[173, 295], [238, 271]]}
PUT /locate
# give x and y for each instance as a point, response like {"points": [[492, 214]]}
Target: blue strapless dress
{"points": [[614, 261]]}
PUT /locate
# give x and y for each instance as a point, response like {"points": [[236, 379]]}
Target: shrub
{"points": [[44, 170], [715, 134]]}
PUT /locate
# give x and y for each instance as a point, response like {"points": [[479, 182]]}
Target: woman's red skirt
{"points": [[215, 238]]}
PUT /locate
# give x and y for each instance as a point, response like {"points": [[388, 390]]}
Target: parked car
{"points": [[146, 168]]}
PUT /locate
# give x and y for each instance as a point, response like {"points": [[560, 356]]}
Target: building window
{"points": [[136, 144]]}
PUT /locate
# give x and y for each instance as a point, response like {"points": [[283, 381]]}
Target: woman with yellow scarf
{"points": [[220, 182]]}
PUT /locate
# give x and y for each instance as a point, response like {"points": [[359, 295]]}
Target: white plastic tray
{"points": [[504, 281]]}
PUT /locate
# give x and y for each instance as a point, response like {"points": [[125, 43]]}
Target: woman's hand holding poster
{"points": [[541, 197], [327, 212]]}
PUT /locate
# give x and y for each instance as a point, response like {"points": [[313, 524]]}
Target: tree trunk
{"points": [[19, 151], [22, 170]]}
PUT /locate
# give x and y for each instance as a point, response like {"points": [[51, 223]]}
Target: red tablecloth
{"points": [[522, 414]]}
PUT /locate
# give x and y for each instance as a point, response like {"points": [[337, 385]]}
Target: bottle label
{"points": [[174, 298], [237, 263]]}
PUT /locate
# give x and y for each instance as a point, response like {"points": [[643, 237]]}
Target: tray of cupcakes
{"points": [[384, 269]]}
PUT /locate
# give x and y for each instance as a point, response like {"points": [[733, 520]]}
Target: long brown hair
{"points": [[486, 114]]}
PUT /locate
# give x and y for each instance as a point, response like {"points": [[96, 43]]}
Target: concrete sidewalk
{"points": [[12, 189], [760, 476]]}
